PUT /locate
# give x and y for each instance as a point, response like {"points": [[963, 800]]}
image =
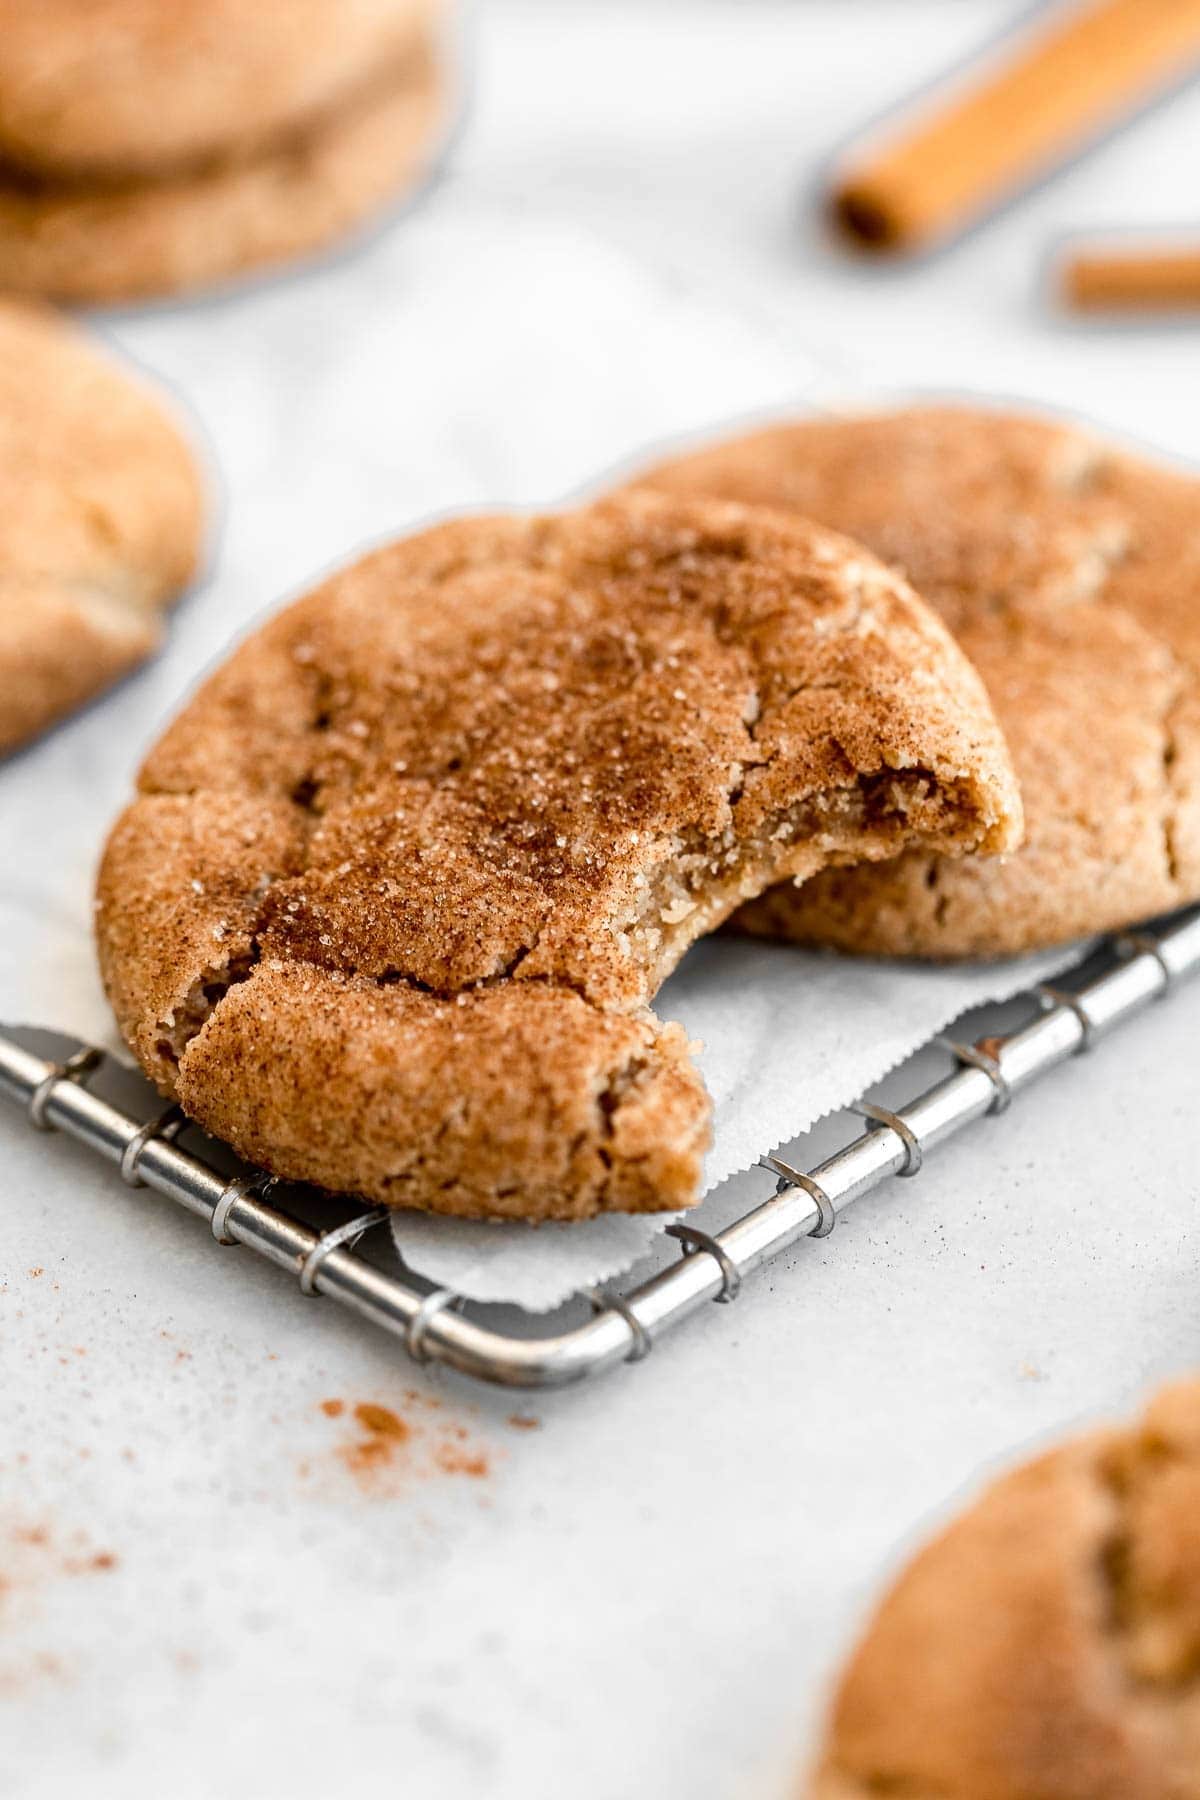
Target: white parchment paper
{"points": [[348, 405], [788, 1035]]}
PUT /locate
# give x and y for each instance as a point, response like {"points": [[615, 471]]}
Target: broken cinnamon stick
{"points": [[1132, 280]]}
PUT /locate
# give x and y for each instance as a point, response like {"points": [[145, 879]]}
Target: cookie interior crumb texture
{"points": [[1048, 1643], [197, 142], [100, 519], [403, 878], [1069, 571]]}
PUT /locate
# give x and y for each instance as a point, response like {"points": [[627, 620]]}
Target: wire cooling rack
{"points": [[242, 1205]]}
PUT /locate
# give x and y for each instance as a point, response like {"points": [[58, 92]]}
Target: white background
{"points": [[648, 1594]]}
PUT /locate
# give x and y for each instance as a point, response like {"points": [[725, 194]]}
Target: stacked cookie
{"points": [[402, 880], [149, 149]]}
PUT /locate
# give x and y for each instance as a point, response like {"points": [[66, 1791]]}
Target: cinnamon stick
{"points": [[1132, 280], [1057, 90]]}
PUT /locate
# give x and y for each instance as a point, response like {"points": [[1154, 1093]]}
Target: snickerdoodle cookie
{"points": [[148, 149], [403, 877], [1047, 1645], [1069, 571], [100, 519]]}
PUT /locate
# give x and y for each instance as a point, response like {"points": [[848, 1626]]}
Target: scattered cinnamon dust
{"points": [[383, 1432], [458, 1462], [381, 1421], [524, 1422], [53, 1555], [389, 1450], [15, 1681], [35, 1556]]}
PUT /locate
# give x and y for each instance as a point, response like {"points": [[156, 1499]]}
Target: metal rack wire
{"points": [[434, 1323]]}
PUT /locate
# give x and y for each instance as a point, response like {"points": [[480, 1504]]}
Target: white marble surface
{"points": [[647, 1594]]}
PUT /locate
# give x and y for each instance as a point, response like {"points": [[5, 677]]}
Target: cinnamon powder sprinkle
{"points": [[389, 1451], [35, 1554], [381, 1421], [385, 1432], [460, 1462]]}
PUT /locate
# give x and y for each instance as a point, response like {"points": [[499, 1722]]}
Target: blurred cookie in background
{"points": [[151, 150], [101, 519], [1046, 1646]]}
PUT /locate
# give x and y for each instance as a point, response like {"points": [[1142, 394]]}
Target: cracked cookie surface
{"points": [[405, 875], [1047, 1645], [1069, 571], [100, 520]]}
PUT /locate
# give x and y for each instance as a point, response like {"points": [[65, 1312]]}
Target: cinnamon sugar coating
{"points": [[1046, 1646], [100, 519], [1069, 572], [405, 875]]}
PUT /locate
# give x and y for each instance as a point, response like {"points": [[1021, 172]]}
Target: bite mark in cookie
{"points": [[448, 823]]}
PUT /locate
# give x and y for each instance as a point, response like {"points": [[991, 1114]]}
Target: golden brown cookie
{"points": [[1047, 1645], [1070, 574], [404, 876], [128, 234], [100, 519], [125, 86]]}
